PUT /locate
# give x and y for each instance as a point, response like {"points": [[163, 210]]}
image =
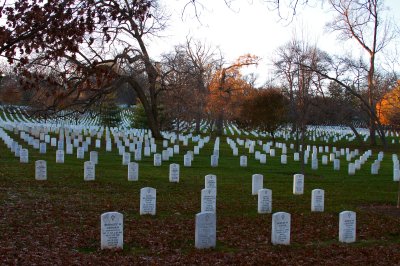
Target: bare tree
{"points": [[104, 48], [187, 72], [363, 22]]}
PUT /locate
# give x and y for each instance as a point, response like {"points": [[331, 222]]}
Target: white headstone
{"points": [[148, 199], [42, 148], [296, 157], [205, 230], [264, 200], [208, 200], [98, 143], [263, 158], [256, 184], [187, 160], [133, 171], [317, 200], [174, 173], [298, 184], [347, 227], [89, 171], [351, 169], [314, 164], [280, 234], [324, 159], [243, 161], [157, 159], [272, 152], [336, 165], [138, 155], [40, 170], [112, 230], [214, 160], [94, 157], [283, 159], [165, 155], [70, 148], [126, 158], [60, 156], [396, 174], [210, 181], [24, 156], [80, 153]]}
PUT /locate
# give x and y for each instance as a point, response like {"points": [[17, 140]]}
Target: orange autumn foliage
{"points": [[388, 108], [228, 87]]}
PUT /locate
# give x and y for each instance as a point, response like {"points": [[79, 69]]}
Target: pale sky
{"points": [[250, 27]]}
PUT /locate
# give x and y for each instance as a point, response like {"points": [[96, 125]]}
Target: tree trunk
{"points": [[198, 121], [302, 149], [220, 124], [358, 137]]}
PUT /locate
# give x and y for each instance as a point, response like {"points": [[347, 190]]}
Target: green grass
{"points": [[63, 213]]}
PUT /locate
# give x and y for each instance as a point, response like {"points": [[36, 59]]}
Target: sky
{"points": [[249, 26]]}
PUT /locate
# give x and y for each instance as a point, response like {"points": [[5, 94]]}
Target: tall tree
{"points": [[264, 110], [187, 72], [227, 85], [364, 22], [92, 47]]}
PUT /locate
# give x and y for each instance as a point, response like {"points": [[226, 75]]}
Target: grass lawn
{"points": [[57, 222]]}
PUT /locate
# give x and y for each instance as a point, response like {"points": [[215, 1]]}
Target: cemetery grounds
{"points": [[57, 221]]}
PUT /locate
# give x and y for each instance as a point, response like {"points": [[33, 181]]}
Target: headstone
{"points": [[264, 200], [138, 155], [256, 184], [280, 234], [40, 170], [80, 153], [187, 160], [42, 148], [208, 200], [94, 157], [53, 142], [317, 200], [314, 164], [296, 157], [347, 227], [272, 152], [214, 160], [243, 161], [89, 171], [126, 158], [174, 173], [283, 159], [148, 201], [263, 158], [157, 159], [374, 168], [147, 151], [396, 174], [210, 181], [336, 165], [324, 159], [60, 156], [133, 171], [98, 143], [70, 148], [298, 184], [165, 155], [205, 230], [351, 169], [24, 156], [112, 230]]}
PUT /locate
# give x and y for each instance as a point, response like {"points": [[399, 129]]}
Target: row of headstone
{"points": [[112, 229]]}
